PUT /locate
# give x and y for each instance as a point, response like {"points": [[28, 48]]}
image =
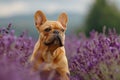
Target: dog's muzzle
{"points": [[57, 40]]}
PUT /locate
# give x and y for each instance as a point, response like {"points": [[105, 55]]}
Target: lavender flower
{"points": [[93, 58], [97, 57]]}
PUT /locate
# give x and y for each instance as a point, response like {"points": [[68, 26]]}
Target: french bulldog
{"points": [[49, 52]]}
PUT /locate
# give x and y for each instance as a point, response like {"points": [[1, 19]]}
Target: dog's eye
{"points": [[62, 30], [47, 29]]}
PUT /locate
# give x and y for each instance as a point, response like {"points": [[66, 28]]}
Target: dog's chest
{"points": [[48, 57]]}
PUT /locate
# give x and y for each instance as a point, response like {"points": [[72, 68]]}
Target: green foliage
{"points": [[102, 14]]}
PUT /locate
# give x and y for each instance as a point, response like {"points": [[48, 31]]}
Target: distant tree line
{"points": [[102, 14]]}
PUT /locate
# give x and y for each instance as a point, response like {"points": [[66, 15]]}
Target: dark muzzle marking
{"points": [[56, 38], [60, 41]]}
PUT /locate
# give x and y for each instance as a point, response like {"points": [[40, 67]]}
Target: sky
{"points": [[11, 8]]}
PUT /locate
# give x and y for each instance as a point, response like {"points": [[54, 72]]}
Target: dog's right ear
{"points": [[40, 18]]}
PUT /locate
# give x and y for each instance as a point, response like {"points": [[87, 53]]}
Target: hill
{"points": [[26, 22]]}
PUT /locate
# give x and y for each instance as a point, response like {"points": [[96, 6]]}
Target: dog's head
{"points": [[52, 33]]}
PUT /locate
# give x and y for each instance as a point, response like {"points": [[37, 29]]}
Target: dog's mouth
{"points": [[55, 41]]}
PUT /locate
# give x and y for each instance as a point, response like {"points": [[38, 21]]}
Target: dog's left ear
{"points": [[40, 18], [63, 19]]}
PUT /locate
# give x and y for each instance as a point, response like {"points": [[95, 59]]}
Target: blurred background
{"points": [[84, 15]]}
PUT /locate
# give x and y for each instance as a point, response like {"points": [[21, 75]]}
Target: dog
{"points": [[49, 52]]}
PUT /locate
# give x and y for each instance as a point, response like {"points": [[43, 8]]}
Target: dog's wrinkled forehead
{"points": [[52, 24]]}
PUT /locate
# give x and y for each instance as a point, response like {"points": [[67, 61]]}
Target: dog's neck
{"points": [[50, 48]]}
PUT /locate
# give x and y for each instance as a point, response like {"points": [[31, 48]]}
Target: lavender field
{"points": [[93, 58]]}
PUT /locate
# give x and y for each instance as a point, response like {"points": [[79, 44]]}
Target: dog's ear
{"points": [[63, 19], [40, 18]]}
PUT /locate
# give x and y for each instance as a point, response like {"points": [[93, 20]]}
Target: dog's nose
{"points": [[56, 32]]}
